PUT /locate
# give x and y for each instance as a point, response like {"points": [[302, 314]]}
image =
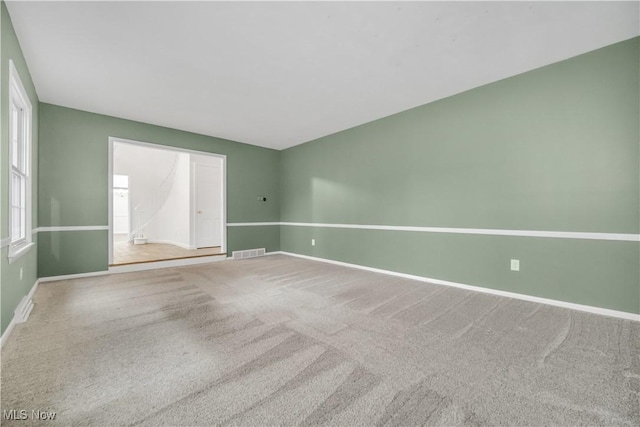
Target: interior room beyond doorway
{"points": [[166, 203]]}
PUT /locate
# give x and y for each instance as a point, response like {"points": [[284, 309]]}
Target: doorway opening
{"points": [[121, 223], [165, 203]]}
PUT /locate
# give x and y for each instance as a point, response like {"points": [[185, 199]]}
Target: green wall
{"points": [[74, 188], [12, 288], [554, 149]]}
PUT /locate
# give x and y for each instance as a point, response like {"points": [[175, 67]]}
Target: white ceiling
{"points": [[280, 74]]}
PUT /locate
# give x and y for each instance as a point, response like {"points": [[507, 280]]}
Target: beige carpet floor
{"points": [[285, 341]]}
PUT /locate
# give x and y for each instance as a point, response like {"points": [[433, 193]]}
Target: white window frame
{"points": [[18, 96]]}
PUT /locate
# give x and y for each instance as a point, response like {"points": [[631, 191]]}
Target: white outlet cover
{"points": [[313, 242], [515, 265]]}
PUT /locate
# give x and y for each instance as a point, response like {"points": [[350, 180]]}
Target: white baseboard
{"points": [[166, 264], [136, 267], [23, 310], [72, 276], [7, 332], [33, 289], [564, 304], [12, 324]]}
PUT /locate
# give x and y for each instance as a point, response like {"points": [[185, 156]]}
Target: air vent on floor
{"points": [[249, 253], [23, 310]]}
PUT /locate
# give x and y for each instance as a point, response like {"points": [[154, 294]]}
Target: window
{"points": [[20, 166]]}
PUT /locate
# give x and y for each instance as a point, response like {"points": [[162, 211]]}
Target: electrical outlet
{"points": [[20, 273], [515, 265], [313, 242]]}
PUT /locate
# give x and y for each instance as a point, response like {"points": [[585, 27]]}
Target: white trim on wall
{"points": [[12, 324], [547, 301], [252, 224], [480, 231], [74, 228], [72, 276], [5, 241]]}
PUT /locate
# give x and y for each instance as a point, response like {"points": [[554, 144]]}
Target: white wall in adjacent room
{"points": [[161, 194], [151, 175], [173, 221]]}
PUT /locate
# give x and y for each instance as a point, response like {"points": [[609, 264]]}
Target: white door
{"points": [[208, 197]]}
